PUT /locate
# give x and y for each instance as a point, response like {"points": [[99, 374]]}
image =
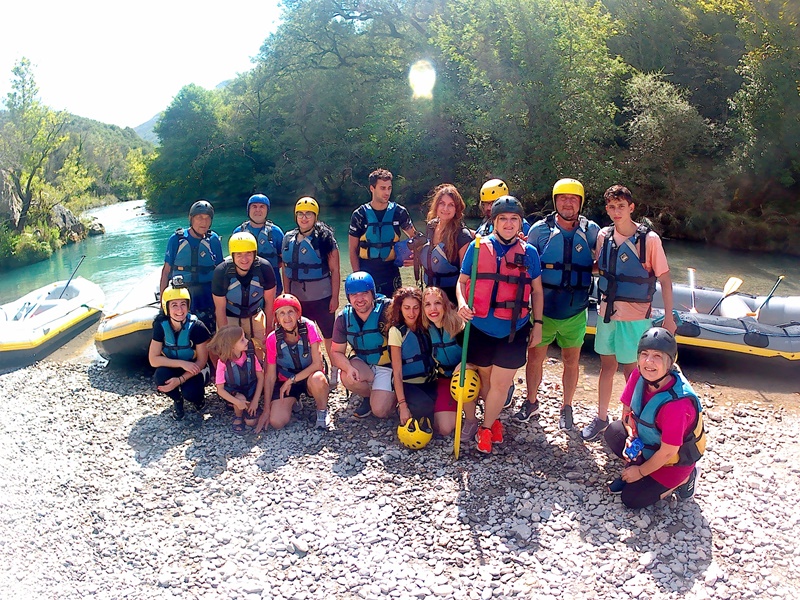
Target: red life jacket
{"points": [[502, 284]]}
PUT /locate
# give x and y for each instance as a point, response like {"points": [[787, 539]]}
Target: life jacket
{"points": [[302, 260], [194, 262], [242, 379], [263, 235], [368, 341], [622, 273], [694, 443], [417, 354], [244, 300], [502, 284], [381, 234], [566, 265], [446, 350], [291, 359], [485, 228], [180, 347], [439, 271]]}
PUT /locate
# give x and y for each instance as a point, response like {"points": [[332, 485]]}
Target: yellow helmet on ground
{"points": [[415, 434], [493, 189], [568, 186], [471, 388], [242, 242], [174, 293], [307, 203]]}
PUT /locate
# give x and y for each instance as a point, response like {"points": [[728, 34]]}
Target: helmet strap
{"points": [[656, 383], [575, 220], [504, 240]]}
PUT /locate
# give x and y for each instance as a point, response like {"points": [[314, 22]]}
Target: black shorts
{"points": [[420, 398], [297, 388], [318, 311], [488, 351]]}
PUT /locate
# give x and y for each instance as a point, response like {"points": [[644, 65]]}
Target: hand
{"points": [[632, 474], [190, 367], [253, 408], [263, 423], [352, 373], [169, 385], [669, 323], [287, 385], [409, 262], [405, 414], [465, 312], [536, 336], [334, 305]]}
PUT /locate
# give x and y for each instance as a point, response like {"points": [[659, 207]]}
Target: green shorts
{"points": [[567, 333], [620, 339]]}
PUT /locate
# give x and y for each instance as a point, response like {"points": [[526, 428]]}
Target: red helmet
{"points": [[288, 300]]}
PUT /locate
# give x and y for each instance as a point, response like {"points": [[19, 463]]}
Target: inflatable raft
{"points": [[45, 319]]}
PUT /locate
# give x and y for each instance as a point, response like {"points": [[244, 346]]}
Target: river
{"points": [[135, 240]]}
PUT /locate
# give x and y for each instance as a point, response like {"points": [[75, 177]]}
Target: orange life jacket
{"points": [[502, 284]]}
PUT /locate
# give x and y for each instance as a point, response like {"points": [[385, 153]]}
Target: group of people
{"points": [[515, 287]]}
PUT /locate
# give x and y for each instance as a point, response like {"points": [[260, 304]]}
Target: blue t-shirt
{"points": [[491, 325]]}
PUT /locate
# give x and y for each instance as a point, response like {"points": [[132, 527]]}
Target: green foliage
{"points": [[29, 246]]}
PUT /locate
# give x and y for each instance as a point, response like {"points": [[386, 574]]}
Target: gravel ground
{"points": [[102, 493]]}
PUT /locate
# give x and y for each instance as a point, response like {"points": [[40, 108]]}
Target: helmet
{"points": [[242, 242], [493, 189], [201, 207], [568, 186], [174, 292], [360, 281], [257, 199], [415, 434], [288, 300], [658, 338], [507, 204], [307, 203], [472, 385]]}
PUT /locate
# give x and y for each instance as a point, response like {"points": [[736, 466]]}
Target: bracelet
{"points": [[401, 402], [539, 321]]}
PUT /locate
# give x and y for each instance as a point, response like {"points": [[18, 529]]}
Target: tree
{"points": [[31, 135]]}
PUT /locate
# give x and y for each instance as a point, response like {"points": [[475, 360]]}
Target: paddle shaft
{"points": [[691, 288], [731, 286], [771, 292], [71, 276]]}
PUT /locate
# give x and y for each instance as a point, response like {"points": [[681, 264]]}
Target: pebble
{"points": [[105, 495]]}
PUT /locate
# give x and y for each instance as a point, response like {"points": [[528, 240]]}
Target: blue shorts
{"points": [[620, 339]]}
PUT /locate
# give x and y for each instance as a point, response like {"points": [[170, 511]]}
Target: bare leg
{"points": [[569, 379], [499, 382], [534, 370], [605, 384]]}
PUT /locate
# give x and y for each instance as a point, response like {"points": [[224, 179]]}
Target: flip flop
{"points": [[237, 426]]}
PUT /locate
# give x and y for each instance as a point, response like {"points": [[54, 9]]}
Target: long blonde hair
{"points": [[223, 341], [451, 322], [451, 230]]}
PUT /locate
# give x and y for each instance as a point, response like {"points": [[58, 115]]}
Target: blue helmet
{"points": [[257, 199], [360, 281]]}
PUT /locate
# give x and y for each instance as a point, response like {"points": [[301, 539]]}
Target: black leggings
{"points": [[192, 389], [642, 493], [421, 398]]}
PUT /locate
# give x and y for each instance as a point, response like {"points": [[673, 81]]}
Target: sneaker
{"points": [[334, 380], [616, 486], [565, 418], [594, 429], [497, 432], [469, 429], [364, 409], [510, 398], [297, 407], [177, 410], [200, 405], [526, 411], [484, 439], [686, 490], [323, 420]]}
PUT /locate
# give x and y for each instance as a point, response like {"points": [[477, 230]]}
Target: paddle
{"points": [[71, 276], [731, 286], [691, 287], [772, 291], [460, 399]]}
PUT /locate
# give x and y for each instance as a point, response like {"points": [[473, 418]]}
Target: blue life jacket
{"points": [[417, 354], [622, 273], [180, 347], [244, 300], [263, 235], [446, 350], [694, 442], [195, 262], [242, 379], [368, 341], [439, 271], [381, 234], [302, 260], [565, 265], [291, 359]]}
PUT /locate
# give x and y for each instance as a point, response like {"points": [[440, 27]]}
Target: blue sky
{"points": [[123, 63]]}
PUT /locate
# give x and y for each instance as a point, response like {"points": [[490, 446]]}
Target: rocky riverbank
{"points": [[102, 493]]}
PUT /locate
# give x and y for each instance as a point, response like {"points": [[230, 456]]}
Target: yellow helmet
{"points": [[568, 186], [415, 434], [493, 189], [471, 388], [242, 242], [307, 203], [174, 293]]}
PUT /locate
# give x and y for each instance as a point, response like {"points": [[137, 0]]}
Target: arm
{"points": [[270, 377], [219, 311], [396, 353], [666, 294], [239, 401], [253, 407], [461, 293], [651, 465], [165, 271], [269, 303], [352, 247], [336, 279], [537, 307], [341, 362], [157, 359]]}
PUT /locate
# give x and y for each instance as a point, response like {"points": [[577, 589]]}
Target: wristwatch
{"points": [[292, 379]]}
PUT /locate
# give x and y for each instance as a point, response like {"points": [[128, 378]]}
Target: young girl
{"points": [[178, 351], [411, 352], [446, 329], [240, 379], [294, 361]]}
